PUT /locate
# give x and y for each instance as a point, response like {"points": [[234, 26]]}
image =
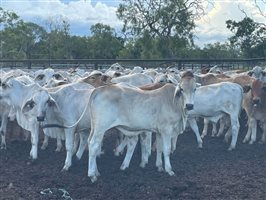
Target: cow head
{"points": [[38, 105], [258, 92], [257, 72], [97, 80], [187, 88]]}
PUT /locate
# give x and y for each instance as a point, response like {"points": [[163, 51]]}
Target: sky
{"points": [[81, 14]]}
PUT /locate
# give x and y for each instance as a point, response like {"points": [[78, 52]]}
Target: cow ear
{"points": [[117, 74], [264, 73], [104, 78], [28, 106], [178, 91], [246, 88], [198, 85], [250, 73], [51, 102]]}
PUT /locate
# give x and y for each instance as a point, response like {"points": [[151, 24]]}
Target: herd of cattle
{"points": [[80, 107]]}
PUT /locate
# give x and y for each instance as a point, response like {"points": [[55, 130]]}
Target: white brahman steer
{"points": [[226, 99], [163, 111], [15, 91], [62, 114]]}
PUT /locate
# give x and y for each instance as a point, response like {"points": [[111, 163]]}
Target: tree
{"points": [[104, 43], [21, 39], [161, 18], [250, 37], [8, 18], [58, 40]]}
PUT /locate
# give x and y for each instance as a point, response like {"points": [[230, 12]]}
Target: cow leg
{"points": [[69, 143], [82, 144], [3, 131], [214, 129], [221, 128], [45, 142], [59, 145], [234, 130], [253, 125], [34, 141], [132, 141], [205, 128], [145, 142], [247, 137], [263, 137], [94, 143], [193, 124], [159, 162], [173, 142], [123, 143], [77, 138], [166, 141]]}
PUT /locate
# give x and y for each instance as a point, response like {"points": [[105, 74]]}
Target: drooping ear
{"points": [[178, 92], [198, 85], [58, 76], [246, 88], [117, 74], [28, 106], [250, 73], [51, 102], [104, 78], [263, 73]]}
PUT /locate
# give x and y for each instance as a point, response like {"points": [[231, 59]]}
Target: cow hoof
{"points": [[200, 146], [93, 178], [142, 165], [123, 167], [244, 141], [57, 150], [230, 148], [3, 147], [65, 169], [251, 142], [160, 169], [43, 147], [171, 173], [117, 153], [32, 161]]}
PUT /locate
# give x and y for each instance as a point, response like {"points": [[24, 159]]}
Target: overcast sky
{"points": [[81, 14]]}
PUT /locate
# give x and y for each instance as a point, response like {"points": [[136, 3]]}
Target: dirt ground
{"points": [[210, 173]]}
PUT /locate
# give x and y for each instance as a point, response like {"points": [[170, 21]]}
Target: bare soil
{"points": [[210, 173]]}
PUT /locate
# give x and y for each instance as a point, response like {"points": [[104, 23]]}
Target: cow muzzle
{"points": [[255, 102], [189, 106], [40, 118]]}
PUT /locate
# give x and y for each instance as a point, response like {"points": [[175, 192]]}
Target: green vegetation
{"points": [[152, 29]]}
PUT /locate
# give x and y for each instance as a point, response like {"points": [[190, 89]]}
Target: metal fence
{"points": [[228, 64]]}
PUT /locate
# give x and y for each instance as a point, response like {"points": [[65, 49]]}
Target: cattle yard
{"points": [[225, 160], [208, 173]]}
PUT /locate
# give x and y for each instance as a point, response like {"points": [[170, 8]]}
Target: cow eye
{"points": [[40, 77], [57, 76], [30, 104], [4, 85]]}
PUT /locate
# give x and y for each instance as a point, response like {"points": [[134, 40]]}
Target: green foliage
{"points": [[250, 37], [104, 43]]}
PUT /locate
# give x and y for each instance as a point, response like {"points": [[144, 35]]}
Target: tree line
{"points": [[151, 29]]}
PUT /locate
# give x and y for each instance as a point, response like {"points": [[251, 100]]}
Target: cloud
{"points": [[79, 13], [212, 27]]}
